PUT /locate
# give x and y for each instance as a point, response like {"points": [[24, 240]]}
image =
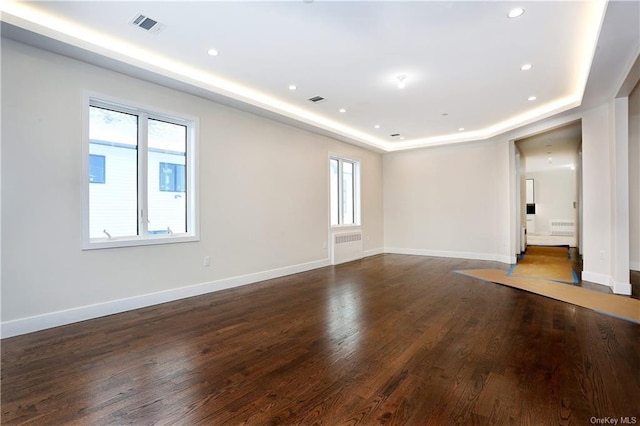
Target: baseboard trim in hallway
{"points": [[610, 304]]}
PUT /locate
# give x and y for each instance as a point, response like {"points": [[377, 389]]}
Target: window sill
{"points": [[345, 227], [134, 242]]}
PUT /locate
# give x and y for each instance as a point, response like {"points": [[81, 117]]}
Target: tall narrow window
{"points": [[140, 187], [345, 191]]}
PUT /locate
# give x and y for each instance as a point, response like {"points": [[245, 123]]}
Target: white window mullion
{"points": [[143, 205]]}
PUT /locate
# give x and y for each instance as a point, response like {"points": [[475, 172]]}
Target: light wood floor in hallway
{"points": [[391, 339]]}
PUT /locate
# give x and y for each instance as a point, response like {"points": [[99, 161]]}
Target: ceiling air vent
{"points": [[395, 134], [317, 99], [147, 24]]}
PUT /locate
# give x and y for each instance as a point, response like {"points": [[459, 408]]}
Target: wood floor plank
{"points": [[391, 339]]}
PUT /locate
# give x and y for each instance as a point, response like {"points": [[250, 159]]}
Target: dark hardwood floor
{"points": [[391, 339], [635, 283]]}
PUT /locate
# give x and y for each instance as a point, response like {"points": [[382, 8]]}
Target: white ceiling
{"points": [[461, 59]]}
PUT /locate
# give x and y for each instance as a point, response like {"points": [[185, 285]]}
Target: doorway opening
{"points": [[549, 168]]}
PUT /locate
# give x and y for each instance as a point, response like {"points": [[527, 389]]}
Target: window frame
{"points": [[191, 184], [356, 192]]}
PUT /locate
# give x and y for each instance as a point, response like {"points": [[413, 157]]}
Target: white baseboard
{"points": [[606, 280], [621, 288], [373, 252], [635, 266], [82, 313], [596, 278], [453, 254]]}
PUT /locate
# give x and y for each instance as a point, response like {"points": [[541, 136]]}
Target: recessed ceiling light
{"points": [[444, 114], [213, 52], [401, 138], [460, 129], [531, 98], [514, 13], [401, 81], [377, 126], [526, 67], [292, 87], [342, 110]]}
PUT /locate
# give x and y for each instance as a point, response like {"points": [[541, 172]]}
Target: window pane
{"points": [[96, 168], [335, 208], [347, 193], [113, 207], [167, 177]]}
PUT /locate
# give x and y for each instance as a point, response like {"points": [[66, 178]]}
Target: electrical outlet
{"points": [[206, 261]]}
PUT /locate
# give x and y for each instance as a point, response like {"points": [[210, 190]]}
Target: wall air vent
{"points": [[317, 99], [147, 24]]}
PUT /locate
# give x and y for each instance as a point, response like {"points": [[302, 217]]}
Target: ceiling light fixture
{"points": [[460, 129], [531, 98], [342, 110], [526, 67], [401, 78], [213, 52], [377, 126], [292, 87], [514, 13]]}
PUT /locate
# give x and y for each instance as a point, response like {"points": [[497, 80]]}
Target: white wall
{"points": [[263, 197], [597, 201], [634, 178], [555, 193], [456, 201], [449, 201]]}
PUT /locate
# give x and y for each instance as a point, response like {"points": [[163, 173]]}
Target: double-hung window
{"points": [[345, 191], [139, 176]]}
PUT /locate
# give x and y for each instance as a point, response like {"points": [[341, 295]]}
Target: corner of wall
{"points": [[620, 287]]}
